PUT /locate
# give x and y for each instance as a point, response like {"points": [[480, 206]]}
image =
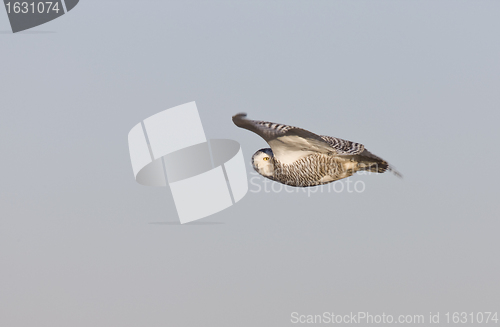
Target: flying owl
{"points": [[300, 158]]}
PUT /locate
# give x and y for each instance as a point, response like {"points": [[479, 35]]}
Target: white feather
{"points": [[288, 149]]}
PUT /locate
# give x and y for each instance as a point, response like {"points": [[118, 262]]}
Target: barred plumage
{"points": [[310, 171], [300, 158], [344, 146]]}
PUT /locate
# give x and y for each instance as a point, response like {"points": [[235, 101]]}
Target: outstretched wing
{"points": [[287, 142], [344, 147], [357, 152]]}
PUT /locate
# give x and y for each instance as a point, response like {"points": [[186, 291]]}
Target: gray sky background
{"points": [[417, 82]]}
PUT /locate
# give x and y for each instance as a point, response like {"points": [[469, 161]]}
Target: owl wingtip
{"points": [[240, 115], [238, 118]]}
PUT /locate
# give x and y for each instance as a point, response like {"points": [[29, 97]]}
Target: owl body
{"points": [[313, 170]]}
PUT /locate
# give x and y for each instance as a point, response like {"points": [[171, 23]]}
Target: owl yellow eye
{"points": [[266, 158]]}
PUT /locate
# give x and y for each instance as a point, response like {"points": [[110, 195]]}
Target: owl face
{"points": [[263, 162]]}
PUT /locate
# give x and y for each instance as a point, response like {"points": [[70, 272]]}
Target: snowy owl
{"points": [[300, 158]]}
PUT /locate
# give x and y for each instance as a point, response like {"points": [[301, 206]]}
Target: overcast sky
{"points": [[417, 82]]}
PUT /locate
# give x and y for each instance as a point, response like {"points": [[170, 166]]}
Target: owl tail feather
{"points": [[367, 161]]}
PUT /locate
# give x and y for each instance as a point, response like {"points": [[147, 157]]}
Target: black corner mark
{"points": [[27, 14]]}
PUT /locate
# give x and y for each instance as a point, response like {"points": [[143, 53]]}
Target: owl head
{"points": [[263, 162]]}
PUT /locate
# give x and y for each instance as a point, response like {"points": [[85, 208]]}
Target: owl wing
{"points": [[344, 147], [287, 142], [356, 151]]}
